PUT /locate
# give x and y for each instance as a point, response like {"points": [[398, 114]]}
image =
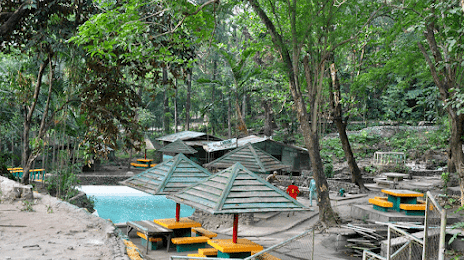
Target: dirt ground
{"points": [[47, 228]]}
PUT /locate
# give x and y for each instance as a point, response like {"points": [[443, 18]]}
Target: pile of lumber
{"points": [[367, 238]]}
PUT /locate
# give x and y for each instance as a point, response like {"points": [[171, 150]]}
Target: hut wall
{"points": [[297, 160]]}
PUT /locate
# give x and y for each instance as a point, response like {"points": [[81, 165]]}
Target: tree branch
{"points": [[37, 89], [13, 19]]}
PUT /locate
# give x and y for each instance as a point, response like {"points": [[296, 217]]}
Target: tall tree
{"points": [[340, 121], [442, 25], [40, 28], [304, 35]]}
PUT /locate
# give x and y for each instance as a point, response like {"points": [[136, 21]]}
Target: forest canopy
{"points": [[95, 74]]}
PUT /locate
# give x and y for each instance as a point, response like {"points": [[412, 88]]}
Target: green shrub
{"points": [[328, 170], [62, 183]]}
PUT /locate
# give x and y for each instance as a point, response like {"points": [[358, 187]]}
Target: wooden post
{"points": [[426, 226], [388, 242], [442, 245], [177, 212], [235, 230]]}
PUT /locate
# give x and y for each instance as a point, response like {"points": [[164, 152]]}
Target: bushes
{"points": [[62, 183]]}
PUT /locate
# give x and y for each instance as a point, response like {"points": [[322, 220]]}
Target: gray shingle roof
{"points": [[253, 158], [170, 176], [178, 147], [236, 190]]}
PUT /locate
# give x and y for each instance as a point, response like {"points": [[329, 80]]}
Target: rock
{"points": [[11, 190]]}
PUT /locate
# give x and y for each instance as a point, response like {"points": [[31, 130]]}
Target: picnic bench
{"points": [[199, 231], [181, 228], [147, 230], [144, 163], [228, 249], [34, 174], [381, 203], [400, 200], [189, 243], [152, 241], [265, 256]]}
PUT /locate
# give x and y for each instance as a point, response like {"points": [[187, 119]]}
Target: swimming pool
{"points": [[122, 204]]}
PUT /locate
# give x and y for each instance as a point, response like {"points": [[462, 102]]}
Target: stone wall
{"points": [[87, 179]]}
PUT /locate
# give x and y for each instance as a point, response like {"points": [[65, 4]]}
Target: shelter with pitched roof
{"points": [[253, 158], [170, 176], [195, 140], [296, 158], [236, 190]]}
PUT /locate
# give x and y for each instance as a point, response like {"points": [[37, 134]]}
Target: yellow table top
{"points": [[403, 193], [242, 245], [172, 224], [144, 160]]}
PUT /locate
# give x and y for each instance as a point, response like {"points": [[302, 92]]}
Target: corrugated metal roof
{"points": [[253, 158], [234, 143], [178, 147], [170, 176], [186, 135], [236, 190]]}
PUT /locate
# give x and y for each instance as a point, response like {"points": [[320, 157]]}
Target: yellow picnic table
{"points": [[228, 249]]}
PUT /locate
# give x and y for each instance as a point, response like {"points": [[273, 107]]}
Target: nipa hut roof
{"points": [[188, 135], [170, 176], [253, 158], [178, 147], [236, 190]]}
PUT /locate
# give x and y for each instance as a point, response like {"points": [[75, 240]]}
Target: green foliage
{"points": [[27, 206], [331, 147], [405, 141], [369, 169], [445, 177], [49, 209], [328, 170], [62, 183]]}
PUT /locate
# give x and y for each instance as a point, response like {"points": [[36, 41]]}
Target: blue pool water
{"points": [[122, 204]]}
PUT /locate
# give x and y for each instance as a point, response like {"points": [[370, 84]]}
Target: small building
{"points": [[195, 140], [295, 158]]}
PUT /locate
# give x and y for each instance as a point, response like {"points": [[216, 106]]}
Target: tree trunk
{"points": [[187, 101], [229, 118], [176, 120], [445, 79], [27, 156], [166, 127], [213, 114], [455, 146], [337, 117], [267, 117], [326, 214]]}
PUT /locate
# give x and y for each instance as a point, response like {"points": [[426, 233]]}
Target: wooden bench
{"points": [[208, 251], [152, 243], [265, 256], [199, 231], [205, 252], [139, 165], [381, 203], [413, 209], [189, 243]]}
